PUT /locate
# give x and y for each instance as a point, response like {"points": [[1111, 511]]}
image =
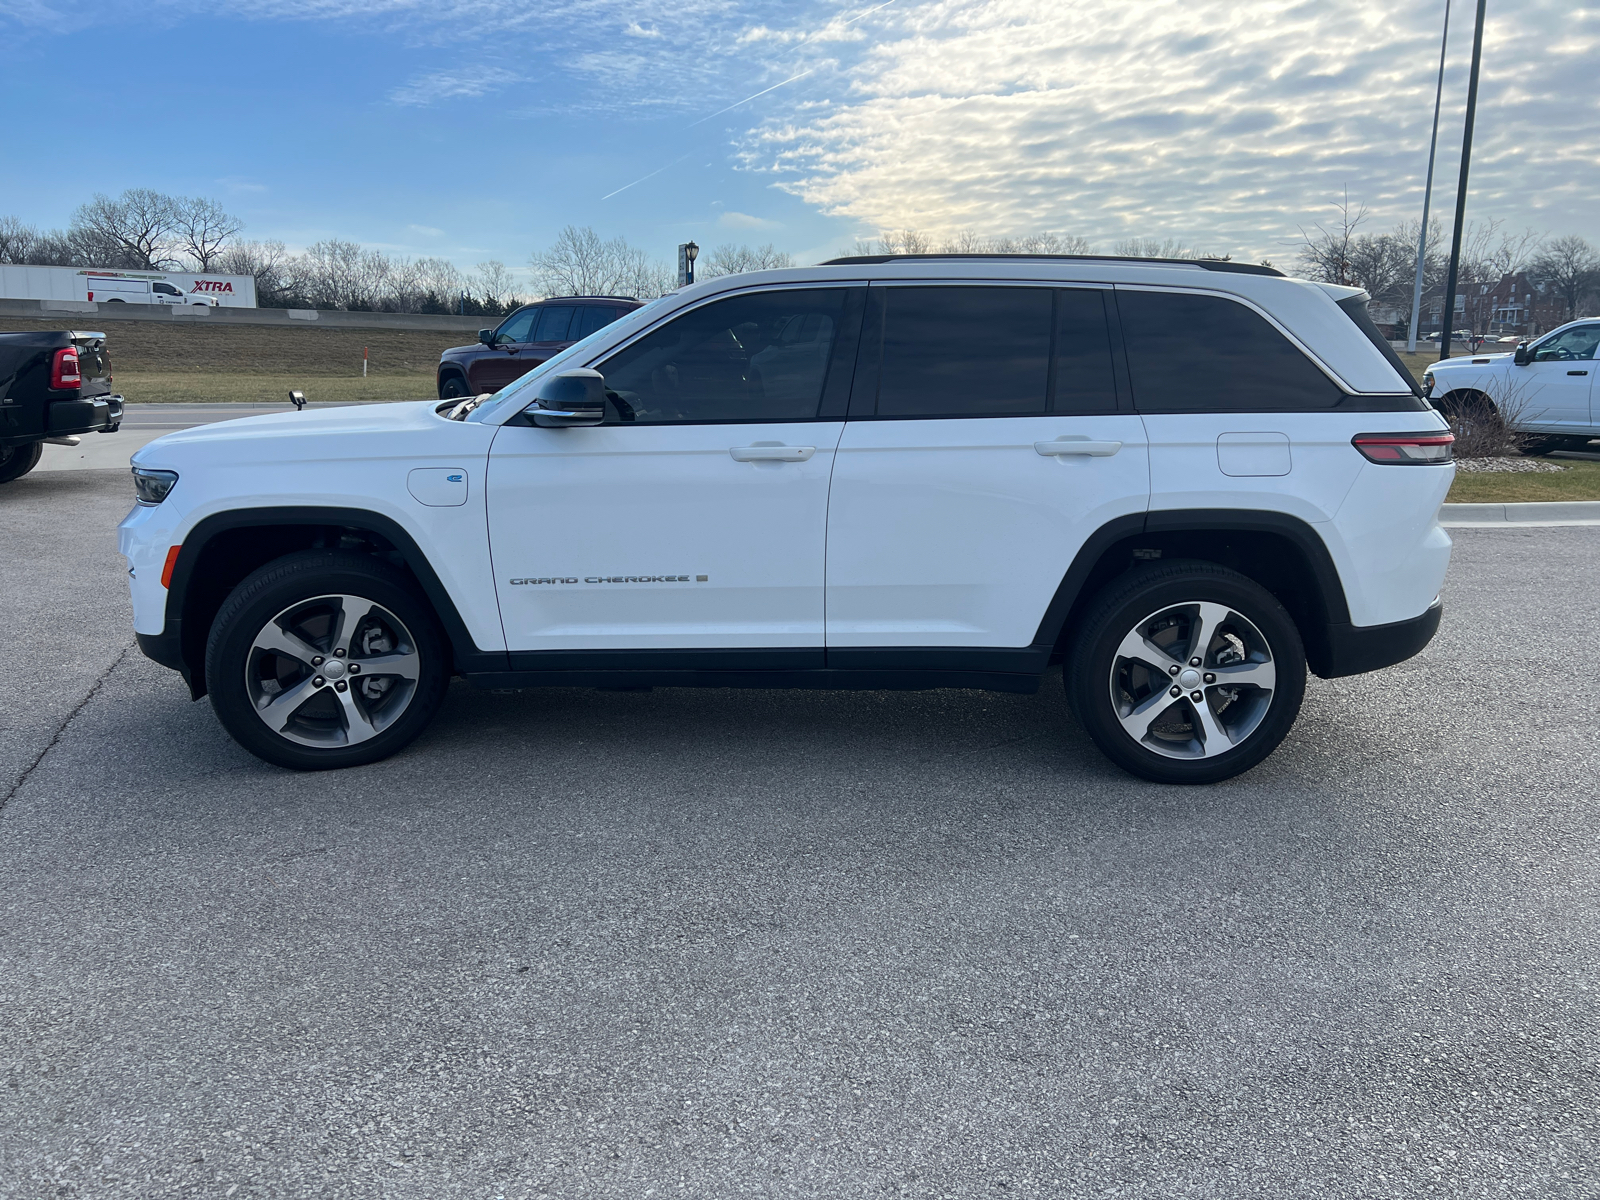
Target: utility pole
{"points": [[1461, 188], [1427, 192]]}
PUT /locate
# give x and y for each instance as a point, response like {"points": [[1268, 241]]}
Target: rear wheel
{"points": [[17, 461], [1187, 673], [325, 659]]}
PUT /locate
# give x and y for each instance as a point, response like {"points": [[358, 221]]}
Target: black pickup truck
{"points": [[54, 386]]}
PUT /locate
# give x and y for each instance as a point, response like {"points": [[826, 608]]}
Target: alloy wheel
{"points": [[1193, 680], [332, 670]]}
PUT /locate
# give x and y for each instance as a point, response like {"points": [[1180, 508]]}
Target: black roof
{"points": [[1207, 264], [548, 299]]}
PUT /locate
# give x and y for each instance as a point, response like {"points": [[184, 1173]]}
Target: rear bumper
{"points": [[63, 418], [1353, 649]]}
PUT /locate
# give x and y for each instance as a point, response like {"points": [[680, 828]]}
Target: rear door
{"points": [[550, 335], [988, 437]]}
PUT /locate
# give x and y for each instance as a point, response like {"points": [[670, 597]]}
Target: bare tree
{"points": [[733, 260], [269, 264], [494, 285], [201, 228], [1327, 255], [580, 263], [1570, 267], [138, 228]]}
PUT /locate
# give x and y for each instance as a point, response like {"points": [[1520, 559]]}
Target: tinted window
{"points": [[965, 351], [553, 324], [516, 326], [592, 318], [1084, 379], [1189, 353], [761, 357], [1570, 345]]}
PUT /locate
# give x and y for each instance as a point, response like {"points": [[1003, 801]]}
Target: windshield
{"points": [[571, 356]]}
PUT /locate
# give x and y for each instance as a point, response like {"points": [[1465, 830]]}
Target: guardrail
{"points": [[72, 312]]}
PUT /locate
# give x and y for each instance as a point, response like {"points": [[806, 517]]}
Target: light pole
{"points": [[1461, 188], [687, 253], [1427, 191]]}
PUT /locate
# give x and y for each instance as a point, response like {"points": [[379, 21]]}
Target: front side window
{"points": [[168, 289], [757, 357], [1570, 345], [1196, 353], [517, 327], [553, 324]]}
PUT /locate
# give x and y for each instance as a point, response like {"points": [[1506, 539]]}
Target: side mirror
{"points": [[1523, 355], [575, 397], [486, 336]]}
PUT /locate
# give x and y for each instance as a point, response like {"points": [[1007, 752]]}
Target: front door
{"points": [[1552, 392], [501, 362], [987, 440], [695, 517]]}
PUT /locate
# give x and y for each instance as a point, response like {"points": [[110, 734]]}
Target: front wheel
{"points": [[325, 659], [17, 461], [1187, 673], [453, 387]]}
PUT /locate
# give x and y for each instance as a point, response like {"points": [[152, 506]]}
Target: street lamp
{"points": [[1461, 189], [687, 253]]}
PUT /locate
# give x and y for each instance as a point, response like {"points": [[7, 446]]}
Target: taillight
{"points": [[1415, 449], [64, 369]]}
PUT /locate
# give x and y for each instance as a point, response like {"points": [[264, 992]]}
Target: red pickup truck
{"points": [[524, 340]]}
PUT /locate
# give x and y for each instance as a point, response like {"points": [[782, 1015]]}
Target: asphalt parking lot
{"points": [[716, 944]]}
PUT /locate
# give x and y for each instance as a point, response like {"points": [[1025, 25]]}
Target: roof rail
{"points": [[1205, 264], [547, 299]]}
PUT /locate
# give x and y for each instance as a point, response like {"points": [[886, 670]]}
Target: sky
{"points": [[476, 129]]}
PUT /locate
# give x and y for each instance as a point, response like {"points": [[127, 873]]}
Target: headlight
{"points": [[151, 487]]}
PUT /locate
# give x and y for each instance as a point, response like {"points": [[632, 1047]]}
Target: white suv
{"points": [[1184, 482]]}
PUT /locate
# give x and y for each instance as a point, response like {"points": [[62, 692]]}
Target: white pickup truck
{"points": [[111, 289], [1545, 389]]}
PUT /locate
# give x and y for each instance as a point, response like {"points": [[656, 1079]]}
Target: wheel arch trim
{"points": [[466, 653], [1335, 606]]}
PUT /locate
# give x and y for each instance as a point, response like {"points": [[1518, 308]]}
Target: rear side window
{"points": [[757, 357], [965, 352], [592, 318], [553, 324], [1192, 353]]}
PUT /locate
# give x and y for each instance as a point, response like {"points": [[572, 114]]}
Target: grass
{"points": [[141, 387], [1580, 481], [170, 348]]}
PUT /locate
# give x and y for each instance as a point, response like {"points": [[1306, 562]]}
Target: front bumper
{"points": [[1354, 649]]}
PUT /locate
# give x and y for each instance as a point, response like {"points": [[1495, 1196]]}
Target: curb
{"points": [[1501, 516]]}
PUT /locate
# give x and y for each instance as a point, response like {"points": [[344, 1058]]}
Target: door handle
{"points": [[771, 453], [1577, 372], [1078, 446]]}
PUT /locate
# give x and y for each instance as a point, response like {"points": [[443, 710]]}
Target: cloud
{"points": [[739, 220], [425, 230], [637, 30], [239, 184], [1221, 123], [448, 85]]}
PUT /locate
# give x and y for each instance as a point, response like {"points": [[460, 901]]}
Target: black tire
{"points": [[1534, 445], [300, 601], [1255, 632], [116, 300], [17, 461], [453, 387]]}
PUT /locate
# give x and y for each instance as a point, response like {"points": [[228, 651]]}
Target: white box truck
{"points": [[107, 285]]}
